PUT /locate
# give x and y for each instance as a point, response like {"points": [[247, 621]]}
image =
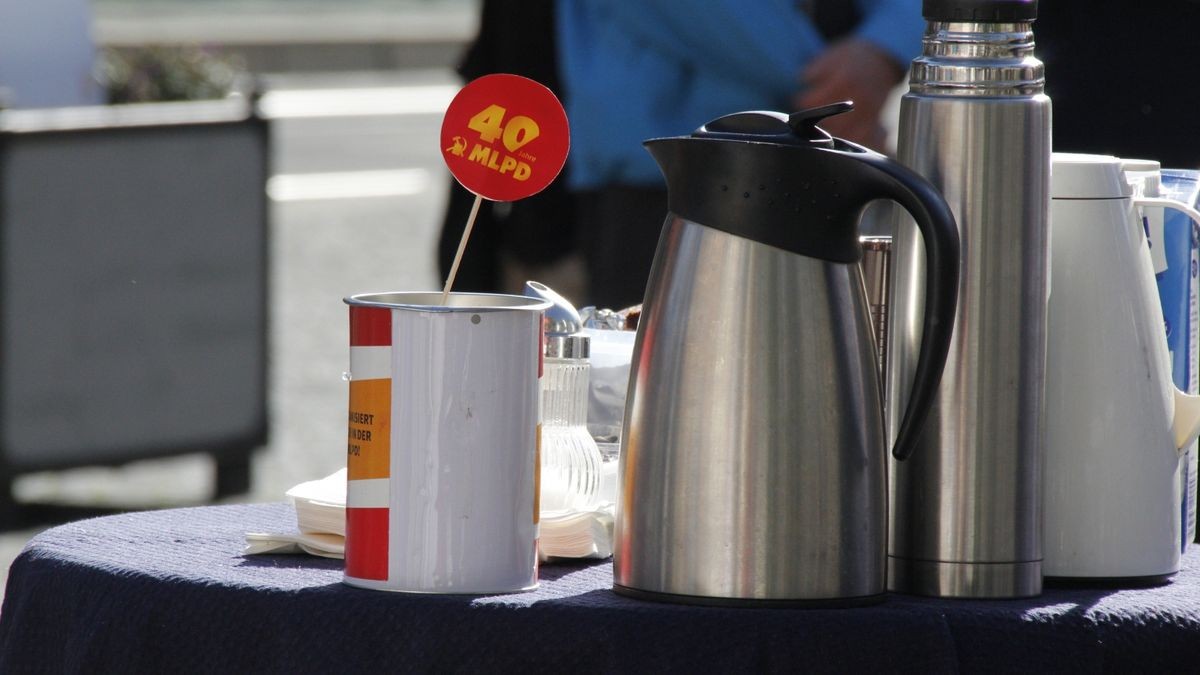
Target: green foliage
{"points": [[162, 73]]}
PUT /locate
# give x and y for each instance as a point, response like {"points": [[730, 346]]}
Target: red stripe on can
{"points": [[367, 543], [370, 327]]}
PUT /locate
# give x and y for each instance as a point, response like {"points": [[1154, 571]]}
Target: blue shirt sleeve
{"points": [[767, 41]]}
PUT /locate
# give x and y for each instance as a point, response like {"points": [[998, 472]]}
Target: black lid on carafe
{"points": [[773, 178], [986, 11]]}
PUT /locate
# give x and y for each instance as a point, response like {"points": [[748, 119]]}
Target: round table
{"points": [[170, 591]]}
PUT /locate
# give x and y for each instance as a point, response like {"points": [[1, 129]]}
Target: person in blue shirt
{"points": [[635, 70]]}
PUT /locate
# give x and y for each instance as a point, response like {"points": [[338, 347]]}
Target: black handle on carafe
{"points": [[940, 234]]}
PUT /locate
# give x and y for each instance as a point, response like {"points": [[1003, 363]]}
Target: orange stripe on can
{"points": [[369, 434]]}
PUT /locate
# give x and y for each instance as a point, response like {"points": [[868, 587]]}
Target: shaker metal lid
{"points": [[577, 346], [983, 11], [1077, 176]]}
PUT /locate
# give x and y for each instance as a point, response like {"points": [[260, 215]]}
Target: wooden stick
{"points": [[462, 246]]}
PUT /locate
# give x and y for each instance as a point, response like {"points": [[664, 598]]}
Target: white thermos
{"points": [[1116, 426]]}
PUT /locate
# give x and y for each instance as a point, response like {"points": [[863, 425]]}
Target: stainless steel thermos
{"points": [[966, 508]]}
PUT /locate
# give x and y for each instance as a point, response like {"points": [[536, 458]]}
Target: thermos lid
{"points": [[1076, 176], [986, 11], [1145, 175]]}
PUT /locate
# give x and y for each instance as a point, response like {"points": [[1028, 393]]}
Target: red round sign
{"points": [[505, 137]]}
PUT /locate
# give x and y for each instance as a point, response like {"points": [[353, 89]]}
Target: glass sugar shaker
{"points": [[570, 459]]}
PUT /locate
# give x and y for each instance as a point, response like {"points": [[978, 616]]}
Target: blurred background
{"points": [[348, 99]]}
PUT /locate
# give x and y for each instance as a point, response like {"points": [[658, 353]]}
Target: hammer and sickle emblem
{"points": [[459, 146]]}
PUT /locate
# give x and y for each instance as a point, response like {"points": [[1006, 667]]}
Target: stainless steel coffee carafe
{"points": [[754, 454], [966, 512]]}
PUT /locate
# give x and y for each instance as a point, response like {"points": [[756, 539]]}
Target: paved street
{"points": [[357, 191], [358, 197]]}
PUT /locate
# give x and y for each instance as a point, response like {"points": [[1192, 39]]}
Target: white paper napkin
{"points": [[321, 518]]}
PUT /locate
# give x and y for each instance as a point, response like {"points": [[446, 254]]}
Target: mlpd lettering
{"points": [[498, 161]]}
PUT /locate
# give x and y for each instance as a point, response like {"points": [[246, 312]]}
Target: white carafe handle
{"points": [[1186, 421], [1169, 204]]}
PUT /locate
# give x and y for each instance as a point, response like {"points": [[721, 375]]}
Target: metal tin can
{"points": [[443, 442]]}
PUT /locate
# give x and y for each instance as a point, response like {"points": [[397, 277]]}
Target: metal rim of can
{"points": [[431, 301]]}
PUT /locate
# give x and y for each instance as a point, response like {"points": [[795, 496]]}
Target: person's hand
{"points": [[851, 70]]}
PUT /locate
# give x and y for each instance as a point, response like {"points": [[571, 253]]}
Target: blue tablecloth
{"points": [[169, 591]]}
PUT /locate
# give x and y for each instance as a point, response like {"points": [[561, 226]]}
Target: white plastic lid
{"points": [[1145, 175], [1076, 176]]}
